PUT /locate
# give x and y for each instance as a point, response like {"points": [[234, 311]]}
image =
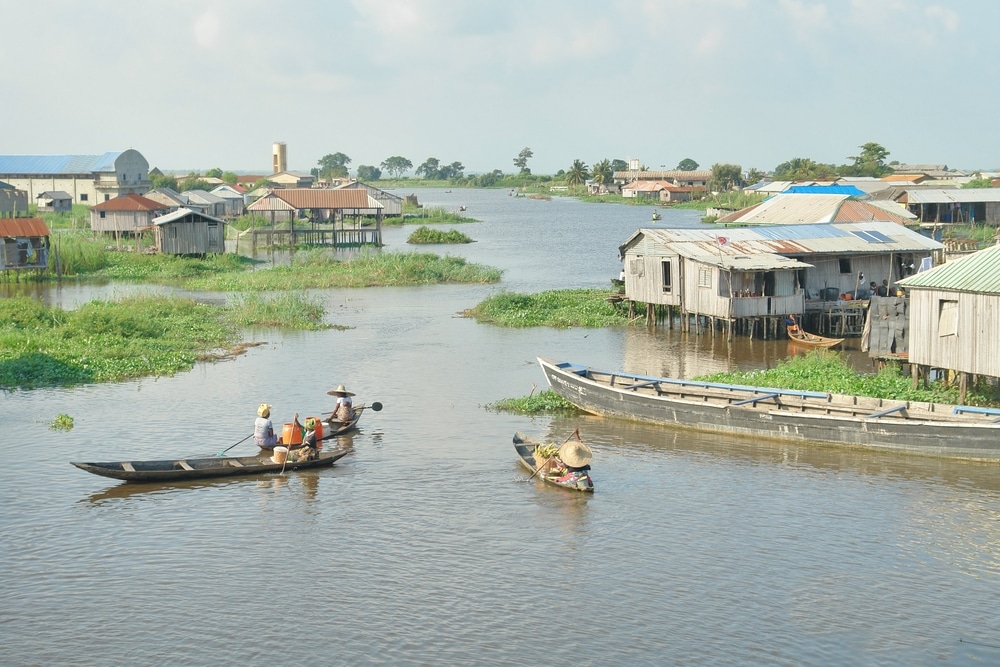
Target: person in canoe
{"points": [[792, 325], [263, 429], [575, 457], [310, 448], [344, 409]]}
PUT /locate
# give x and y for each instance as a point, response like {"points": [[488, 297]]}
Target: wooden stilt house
{"points": [[187, 232], [25, 244]]}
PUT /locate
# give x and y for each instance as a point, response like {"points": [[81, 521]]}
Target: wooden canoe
{"points": [[525, 447], [915, 427], [805, 339], [174, 470]]}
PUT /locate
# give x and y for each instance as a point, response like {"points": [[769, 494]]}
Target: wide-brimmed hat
{"points": [[340, 391], [311, 424], [264, 410], [575, 454]]}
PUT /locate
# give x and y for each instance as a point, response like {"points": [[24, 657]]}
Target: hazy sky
{"points": [[213, 83]]}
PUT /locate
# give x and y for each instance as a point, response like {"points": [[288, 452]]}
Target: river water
{"points": [[428, 545]]}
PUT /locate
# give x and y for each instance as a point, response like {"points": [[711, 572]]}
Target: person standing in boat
{"points": [[344, 409], [791, 324], [263, 429]]}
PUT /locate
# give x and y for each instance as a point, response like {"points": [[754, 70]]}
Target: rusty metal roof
{"points": [[327, 198], [978, 272], [11, 227], [129, 203], [270, 202], [791, 209]]}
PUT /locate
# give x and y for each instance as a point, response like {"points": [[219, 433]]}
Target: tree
{"points": [[214, 173], [163, 181], [687, 164], [490, 179], [368, 173], [981, 182], [521, 161], [619, 165], [754, 176], [430, 169], [870, 162], [725, 177], [578, 173], [334, 165], [193, 182], [396, 165], [453, 170], [602, 172], [803, 169]]}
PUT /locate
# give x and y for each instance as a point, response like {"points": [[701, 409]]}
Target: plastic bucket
{"points": [[280, 454], [291, 435]]}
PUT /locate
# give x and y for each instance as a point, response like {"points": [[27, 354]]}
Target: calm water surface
{"points": [[427, 545]]}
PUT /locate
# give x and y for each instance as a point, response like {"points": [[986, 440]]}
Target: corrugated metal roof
{"points": [[58, 164], [832, 189], [670, 174], [790, 209], [978, 272], [11, 227], [862, 211], [173, 216], [270, 202], [129, 203], [327, 199], [958, 195], [202, 197], [789, 240]]}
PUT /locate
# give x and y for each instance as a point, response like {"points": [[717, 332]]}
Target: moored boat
{"points": [[934, 429], [173, 470], [810, 340], [549, 469]]}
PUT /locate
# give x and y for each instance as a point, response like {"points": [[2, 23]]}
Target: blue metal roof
{"points": [[796, 232], [58, 164], [825, 190]]}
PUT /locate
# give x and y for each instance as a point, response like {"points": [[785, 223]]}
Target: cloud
{"points": [[807, 19], [207, 28], [944, 17]]}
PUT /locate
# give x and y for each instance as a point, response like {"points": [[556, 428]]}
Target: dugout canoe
{"points": [[525, 447], [175, 470], [913, 427], [810, 340]]}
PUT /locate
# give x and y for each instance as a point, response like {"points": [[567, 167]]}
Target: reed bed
{"points": [[555, 308], [422, 235]]}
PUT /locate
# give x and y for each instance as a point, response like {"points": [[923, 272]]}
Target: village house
{"points": [[127, 213], [188, 232], [794, 209], [169, 197], [25, 244], [755, 276], [234, 198], [696, 178], [956, 205], [392, 205], [89, 179], [54, 201], [291, 179], [955, 317], [206, 202], [13, 202], [663, 192]]}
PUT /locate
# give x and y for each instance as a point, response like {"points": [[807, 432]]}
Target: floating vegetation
{"points": [[428, 235], [555, 308], [62, 422], [545, 402]]}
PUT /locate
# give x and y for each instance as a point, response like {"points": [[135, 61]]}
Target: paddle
{"points": [[233, 445], [376, 406]]}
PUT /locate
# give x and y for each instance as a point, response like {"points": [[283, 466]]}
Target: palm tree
{"points": [[578, 173], [602, 172]]}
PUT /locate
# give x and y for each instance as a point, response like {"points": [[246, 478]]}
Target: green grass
{"points": [[828, 372], [370, 269], [555, 308], [428, 235], [434, 215], [545, 402], [136, 336]]}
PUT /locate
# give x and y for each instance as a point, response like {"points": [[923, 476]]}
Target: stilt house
{"points": [[24, 243], [187, 232]]}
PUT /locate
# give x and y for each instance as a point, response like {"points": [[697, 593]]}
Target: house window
{"points": [[704, 277], [845, 265], [83, 197], [102, 215], [666, 277], [947, 317], [107, 197]]}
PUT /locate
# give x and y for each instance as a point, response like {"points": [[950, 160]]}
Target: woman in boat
{"points": [[263, 429], [575, 457], [344, 409], [792, 325], [309, 449]]}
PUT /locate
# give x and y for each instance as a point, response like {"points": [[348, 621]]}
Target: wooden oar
{"points": [[233, 445]]}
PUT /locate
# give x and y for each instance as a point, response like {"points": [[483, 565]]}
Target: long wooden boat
{"points": [[525, 447], [810, 340], [801, 416], [173, 470]]}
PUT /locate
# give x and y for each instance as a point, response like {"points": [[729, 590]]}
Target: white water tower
{"points": [[279, 157]]}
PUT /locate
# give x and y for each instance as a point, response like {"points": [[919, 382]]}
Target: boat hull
{"points": [[812, 341], [805, 417], [173, 470]]}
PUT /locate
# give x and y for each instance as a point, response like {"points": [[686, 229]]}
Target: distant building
{"points": [[794, 209], [127, 213], [55, 201], [88, 179], [13, 202], [392, 205]]}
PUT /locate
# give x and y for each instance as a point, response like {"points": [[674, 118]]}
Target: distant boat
{"points": [[656, 215]]}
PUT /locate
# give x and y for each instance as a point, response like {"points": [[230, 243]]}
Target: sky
{"points": [[199, 84]]}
